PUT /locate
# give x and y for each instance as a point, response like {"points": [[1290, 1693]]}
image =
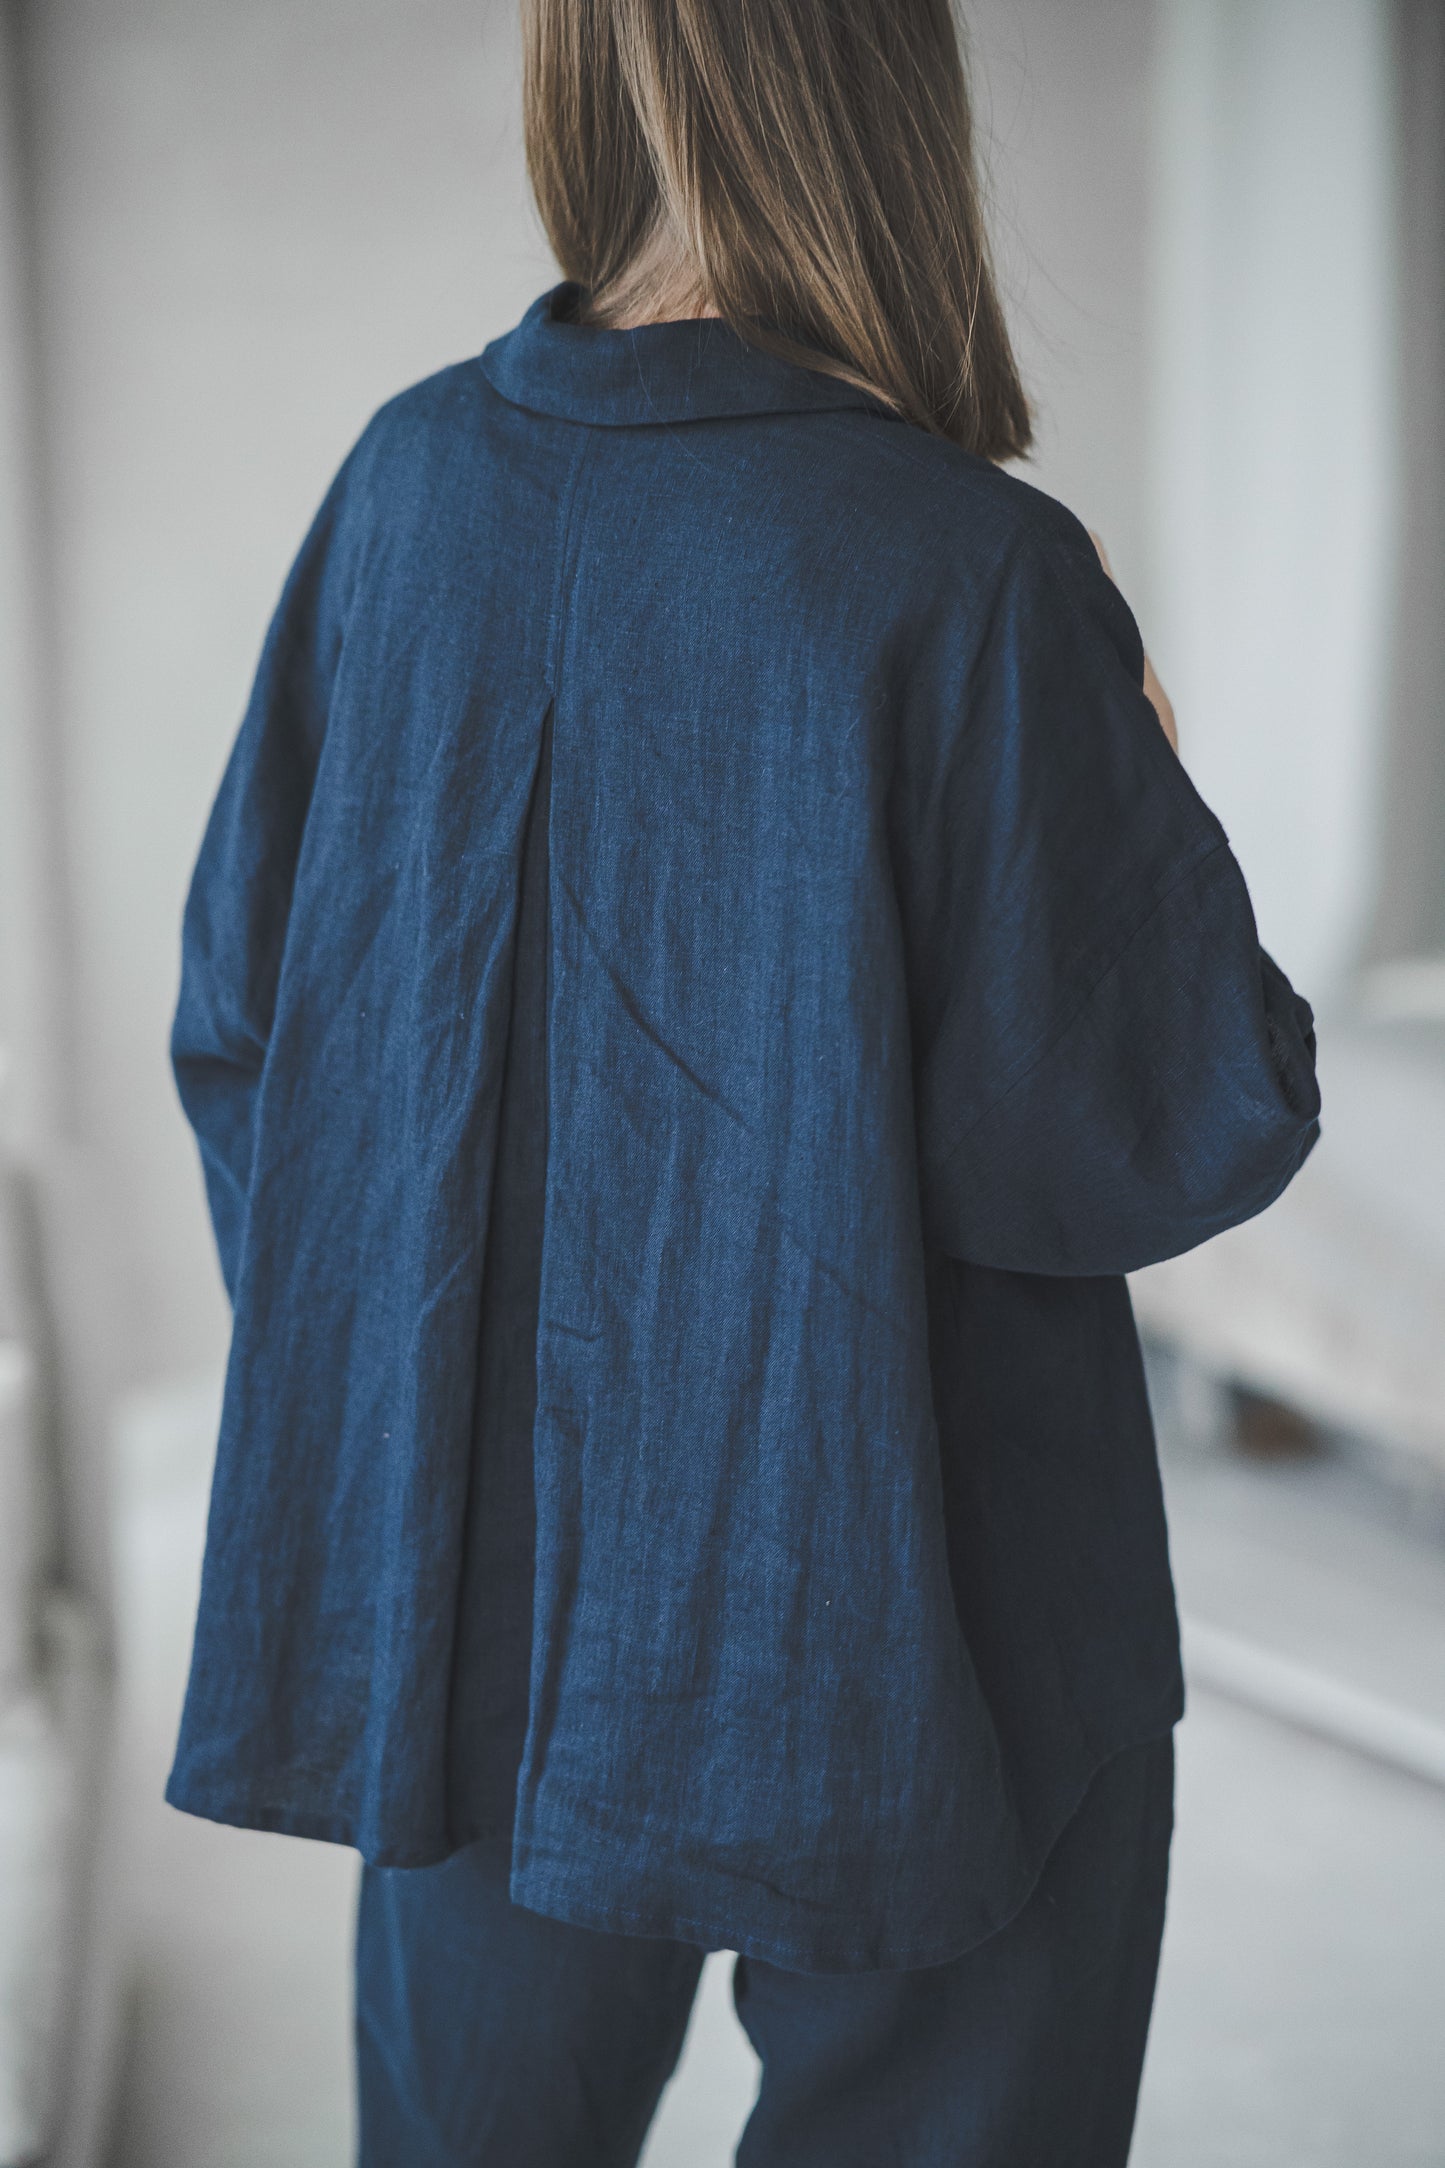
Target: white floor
{"points": [[1301, 2012]]}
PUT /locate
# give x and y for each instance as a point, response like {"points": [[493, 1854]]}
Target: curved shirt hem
{"points": [[559, 1891], [551, 1892]]}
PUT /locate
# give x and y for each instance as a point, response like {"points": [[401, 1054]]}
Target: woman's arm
{"points": [[1109, 1068]]}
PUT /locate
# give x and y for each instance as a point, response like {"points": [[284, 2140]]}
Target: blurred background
{"points": [[227, 232]]}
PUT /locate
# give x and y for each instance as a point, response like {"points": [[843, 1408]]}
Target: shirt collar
{"points": [[690, 371]]}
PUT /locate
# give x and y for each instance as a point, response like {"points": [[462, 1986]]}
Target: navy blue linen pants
{"points": [[491, 2037]]}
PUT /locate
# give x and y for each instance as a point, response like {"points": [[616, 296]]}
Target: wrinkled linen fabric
{"points": [[702, 975]]}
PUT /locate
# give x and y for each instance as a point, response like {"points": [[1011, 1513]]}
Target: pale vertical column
{"points": [[1410, 909], [1274, 443], [34, 1098], [65, 1244]]}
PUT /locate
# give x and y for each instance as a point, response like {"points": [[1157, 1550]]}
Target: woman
{"points": [[703, 973]]}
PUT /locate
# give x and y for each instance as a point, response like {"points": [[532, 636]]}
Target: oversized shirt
{"points": [[702, 975]]}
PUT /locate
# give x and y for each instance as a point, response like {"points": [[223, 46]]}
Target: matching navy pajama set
{"points": [[702, 976]]}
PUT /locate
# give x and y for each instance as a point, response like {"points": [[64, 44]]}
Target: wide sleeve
{"points": [[234, 925], [1109, 1068]]}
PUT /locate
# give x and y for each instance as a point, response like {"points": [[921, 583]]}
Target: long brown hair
{"points": [[808, 167]]}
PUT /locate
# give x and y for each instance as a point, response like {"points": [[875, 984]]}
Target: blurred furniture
{"points": [[53, 1748], [1334, 1300]]}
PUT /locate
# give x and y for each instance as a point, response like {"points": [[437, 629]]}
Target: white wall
{"points": [[253, 224], [1065, 98], [1275, 485]]}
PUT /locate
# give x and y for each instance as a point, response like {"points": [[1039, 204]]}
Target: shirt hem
{"points": [[553, 1893], [556, 1889]]}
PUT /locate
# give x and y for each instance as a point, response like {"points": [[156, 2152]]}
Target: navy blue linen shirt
{"points": [[702, 974]]}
